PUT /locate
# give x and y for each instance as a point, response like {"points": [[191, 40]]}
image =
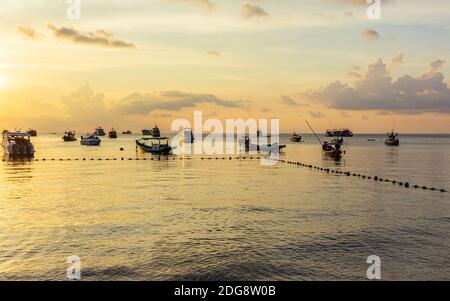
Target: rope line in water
{"points": [[298, 164]]}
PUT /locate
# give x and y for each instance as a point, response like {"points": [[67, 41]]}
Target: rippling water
{"points": [[226, 220]]}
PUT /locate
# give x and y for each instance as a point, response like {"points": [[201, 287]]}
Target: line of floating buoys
{"points": [[348, 174], [310, 166]]}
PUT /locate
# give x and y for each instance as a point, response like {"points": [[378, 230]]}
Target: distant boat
{"points": [[17, 144], [188, 137], [295, 137], [339, 133], [99, 131], [90, 140], [69, 136], [154, 132], [265, 148], [155, 145], [32, 132], [128, 132], [392, 139], [112, 134]]}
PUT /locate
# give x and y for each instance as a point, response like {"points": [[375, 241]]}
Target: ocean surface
{"points": [[193, 219]]}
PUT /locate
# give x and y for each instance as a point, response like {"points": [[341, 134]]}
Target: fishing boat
{"points": [[99, 132], [128, 132], [112, 134], [155, 145], [17, 144], [339, 133], [333, 149], [69, 136], [154, 132], [32, 132], [295, 137], [90, 140], [392, 139]]}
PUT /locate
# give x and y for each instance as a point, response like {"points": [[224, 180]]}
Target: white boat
{"points": [[17, 144], [90, 140]]}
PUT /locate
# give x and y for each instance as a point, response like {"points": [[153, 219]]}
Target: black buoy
{"points": [[375, 178], [121, 149]]}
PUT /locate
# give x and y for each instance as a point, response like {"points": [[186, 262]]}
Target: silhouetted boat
{"points": [[99, 132], [112, 134], [128, 132], [339, 133], [69, 136], [295, 137], [392, 139], [332, 150]]}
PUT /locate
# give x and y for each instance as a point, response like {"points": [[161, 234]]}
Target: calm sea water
{"points": [[226, 220]]}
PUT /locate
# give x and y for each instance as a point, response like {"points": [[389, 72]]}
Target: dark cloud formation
{"points": [[370, 35], [251, 11], [377, 90], [29, 33], [138, 104], [99, 37]]}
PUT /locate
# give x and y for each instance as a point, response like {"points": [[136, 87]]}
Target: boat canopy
{"points": [[17, 134]]}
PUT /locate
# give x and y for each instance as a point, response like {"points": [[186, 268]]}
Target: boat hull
{"points": [[392, 143], [90, 142], [158, 149]]}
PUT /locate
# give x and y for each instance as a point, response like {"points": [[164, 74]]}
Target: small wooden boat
{"points": [[392, 140], [332, 151], [295, 137], [69, 136], [112, 134], [155, 145], [90, 140], [128, 132]]}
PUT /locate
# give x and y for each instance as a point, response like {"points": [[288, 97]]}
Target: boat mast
{"points": [[314, 132]]}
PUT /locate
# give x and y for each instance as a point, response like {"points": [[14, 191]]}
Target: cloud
{"points": [[287, 100], [265, 110], [29, 33], [370, 35], [251, 11], [397, 59], [354, 74], [377, 90], [204, 4], [87, 107], [138, 104], [99, 38], [435, 66], [316, 114], [213, 53]]}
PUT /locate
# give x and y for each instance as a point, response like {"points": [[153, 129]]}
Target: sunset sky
{"points": [[127, 64]]}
